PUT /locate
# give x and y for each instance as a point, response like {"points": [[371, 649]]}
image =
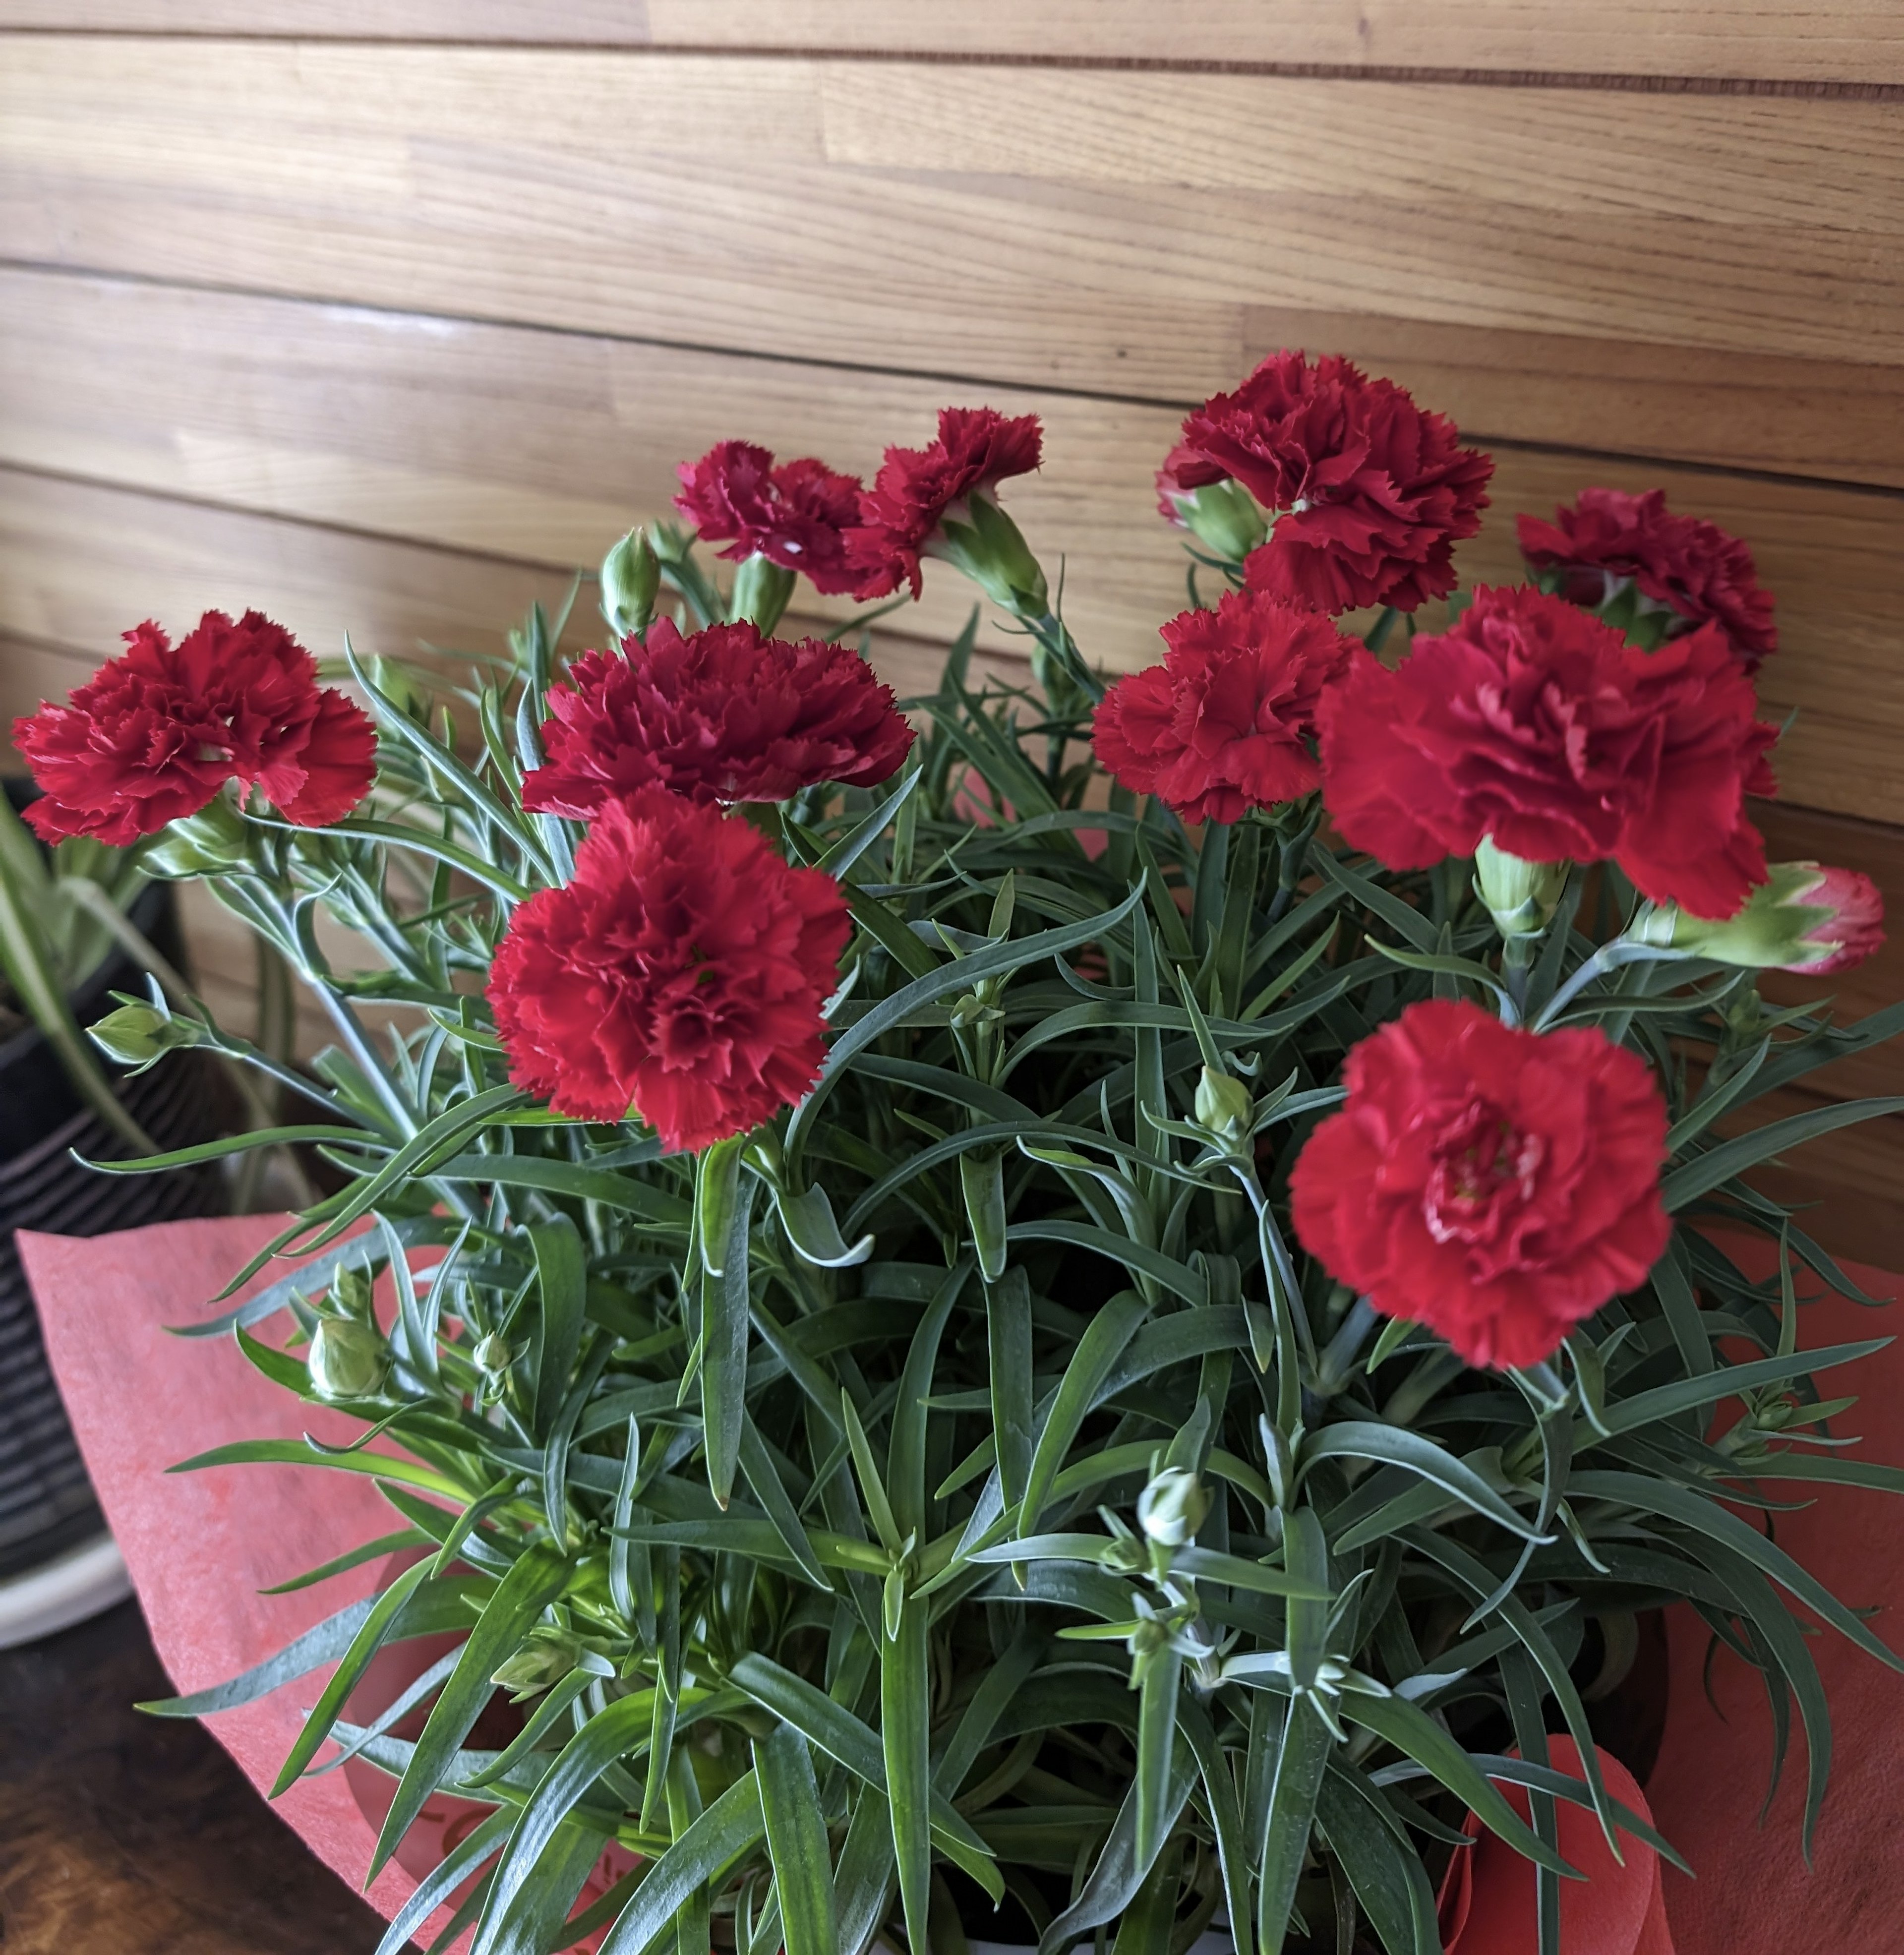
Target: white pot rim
{"points": [[68, 1589]]}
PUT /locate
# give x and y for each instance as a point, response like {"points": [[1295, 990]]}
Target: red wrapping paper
{"points": [[198, 1546]]}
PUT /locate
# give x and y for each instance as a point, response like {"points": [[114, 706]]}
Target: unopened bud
{"points": [[1521, 896], [350, 1290], [991, 548], [348, 1359], [631, 579], [1802, 918], [1224, 1106], [137, 1035], [544, 1657], [761, 590], [1172, 1508], [493, 1355], [211, 843], [1224, 517]]}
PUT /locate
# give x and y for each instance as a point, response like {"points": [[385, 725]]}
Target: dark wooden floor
{"points": [[121, 1835]]}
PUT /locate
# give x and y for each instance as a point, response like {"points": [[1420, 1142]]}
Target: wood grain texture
{"points": [[832, 209], [121, 1835], [1843, 41], [541, 447]]}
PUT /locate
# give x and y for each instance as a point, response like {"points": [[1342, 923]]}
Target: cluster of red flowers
{"points": [[155, 733], [1370, 492], [845, 537], [1697, 573]]}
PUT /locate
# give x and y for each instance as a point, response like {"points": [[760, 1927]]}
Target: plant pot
{"points": [[57, 1565]]}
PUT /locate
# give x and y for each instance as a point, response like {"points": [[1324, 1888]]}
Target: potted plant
{"points": [[1094, 1308], [75, 921]]}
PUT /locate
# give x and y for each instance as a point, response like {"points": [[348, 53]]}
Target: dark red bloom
{"points": [[1530, 722], [682, 973], [1693, 568], [1497, 1185], [154, 733], [1227, 722], [977, 448], [796, 514], [1372, 492], [721, 715]]}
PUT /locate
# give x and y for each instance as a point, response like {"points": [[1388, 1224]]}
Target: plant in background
{"points": [[1116, 1315]]}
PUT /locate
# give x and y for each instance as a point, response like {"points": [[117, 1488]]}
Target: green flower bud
{"points": [[1224, 517], [211, 843], [761, 590], [1521, 896], [631, 582], [351, 1294], [545, 1656], [1802, 918], [991, 548], [138, 1035], [1225, 1107], [348, 1359], [1172, 1508], [493, 1355]]}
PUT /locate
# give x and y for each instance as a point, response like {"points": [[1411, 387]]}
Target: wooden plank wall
{"points": [[384, 314]]}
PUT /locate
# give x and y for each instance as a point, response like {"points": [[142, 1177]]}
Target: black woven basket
{"points": [[46, 1505]]}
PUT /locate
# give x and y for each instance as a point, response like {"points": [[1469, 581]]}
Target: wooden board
{"points": [[1841, 41], [541, 447], [1017, 223]]}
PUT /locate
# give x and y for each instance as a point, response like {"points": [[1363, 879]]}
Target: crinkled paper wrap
{"points": [[199, 1545]]}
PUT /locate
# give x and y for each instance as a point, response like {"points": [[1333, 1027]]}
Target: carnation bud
{"points": [[350, 1292], [1803, 917], [348, 1359], [1224, 516], [211, 843], [761, 590], [1224, 1106], [138, 1035], [1172, 1508], [543, 1657], [1521, 896], [991, 548], [631, 579], [493, 1355]]}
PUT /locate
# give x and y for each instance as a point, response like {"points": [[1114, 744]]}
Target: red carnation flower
{"points": [[1535, 724], [977, 448], [796, 515], [1227, 721], [1372, 492], [1497, 1185], [722, 715], [154, 734], [1693, 569], [1852, 926], [682, 973]]}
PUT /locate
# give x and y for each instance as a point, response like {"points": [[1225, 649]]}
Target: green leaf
{"points": [[733, 1823], [905, 1717], [1007, 1331], [797, 1843], [601, 1741], [724, 1301], [905, 1468], [1157, 1737], [437, 1887], [1119, 1870], [1396, 1446], [562, 1284], [1684, 1394], [369, 1639], [1302, 1757], [1098, 1350], [531, 1584], [1703, 1172], [981, 1181]]}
